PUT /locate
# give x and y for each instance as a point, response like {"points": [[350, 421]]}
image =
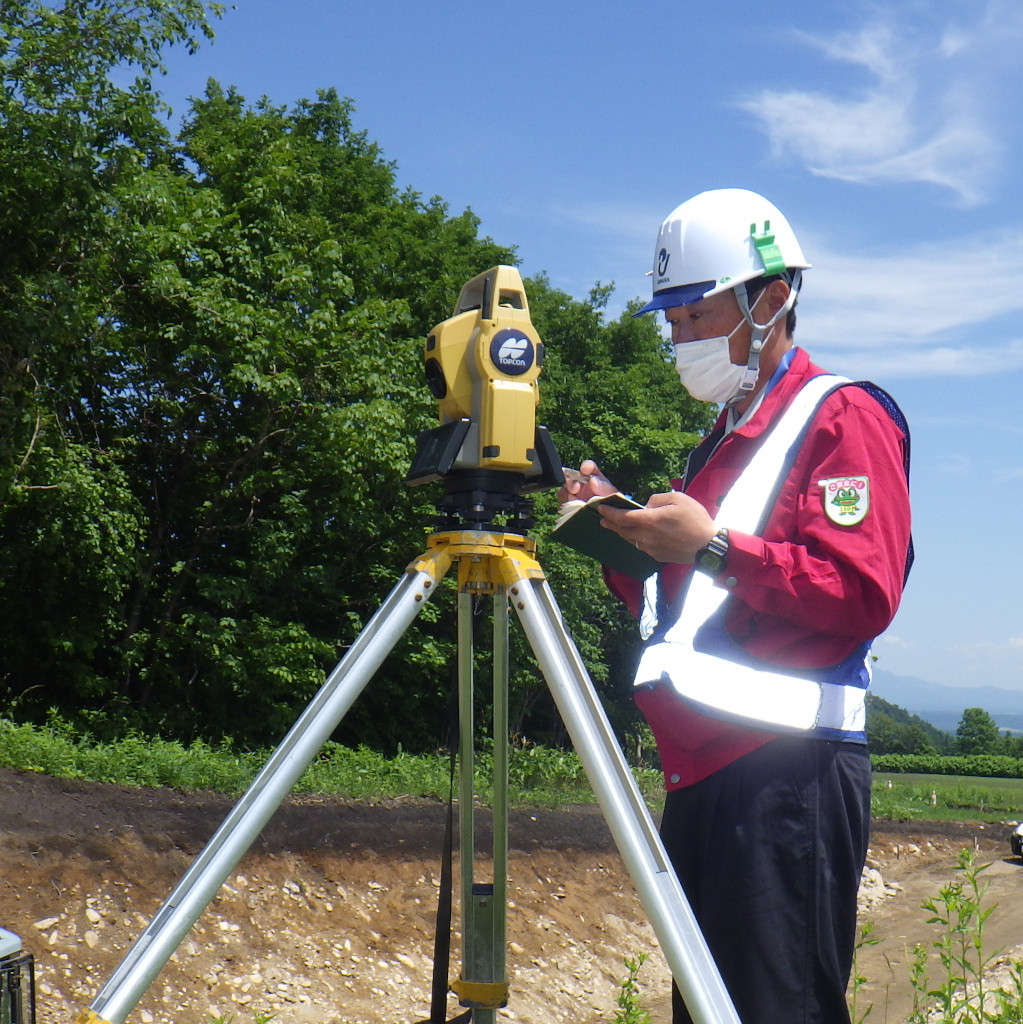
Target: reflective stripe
{"points": [[843, 707], [738, 691], [648, 613], [751, 693]]}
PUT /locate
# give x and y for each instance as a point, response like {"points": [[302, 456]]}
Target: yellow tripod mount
{"points": [[487, 562]]}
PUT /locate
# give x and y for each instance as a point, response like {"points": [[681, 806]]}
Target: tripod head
{"points": [[481, 365]]}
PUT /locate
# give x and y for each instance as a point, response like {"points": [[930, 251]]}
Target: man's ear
{"points": [[777, 293]]}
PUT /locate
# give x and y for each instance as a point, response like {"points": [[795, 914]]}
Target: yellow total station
{"points": [[481, 365]]}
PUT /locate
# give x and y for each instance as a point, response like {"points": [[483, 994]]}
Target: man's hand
{"points": [[582, 490], [672, 527]]}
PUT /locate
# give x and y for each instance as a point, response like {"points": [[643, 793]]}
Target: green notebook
{"points": [[579, 526]]}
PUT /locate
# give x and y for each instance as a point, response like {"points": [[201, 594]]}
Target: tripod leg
{"points": [[466, 762], [482, 984], [626, 814], [200, 883], [500, 781]]}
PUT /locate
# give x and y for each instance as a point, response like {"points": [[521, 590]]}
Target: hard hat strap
{"points": [[759, 333]]}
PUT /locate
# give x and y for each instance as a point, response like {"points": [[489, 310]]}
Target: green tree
{"points": [[69, 138], [893, 730], [287, 406], [977, 733], [885, 736], [212, 382], [212, 356]]}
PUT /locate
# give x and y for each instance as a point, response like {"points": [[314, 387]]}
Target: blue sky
{"points": [[890, 134]]}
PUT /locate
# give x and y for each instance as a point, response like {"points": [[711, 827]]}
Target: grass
{"points": [[630, 1010], [955, 797], [961, 992], [950, 977], [537, 776]]}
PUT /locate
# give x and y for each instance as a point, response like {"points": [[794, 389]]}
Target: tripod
{"points": [[503, 565]]}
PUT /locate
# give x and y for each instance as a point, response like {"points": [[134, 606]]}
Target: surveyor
{"points": [[786, 547]]}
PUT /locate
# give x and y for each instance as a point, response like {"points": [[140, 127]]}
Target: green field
{"points": [[956, 798], [537, 776]]}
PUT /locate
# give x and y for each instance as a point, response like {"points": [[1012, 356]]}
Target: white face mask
{"points": [[706, 369]]}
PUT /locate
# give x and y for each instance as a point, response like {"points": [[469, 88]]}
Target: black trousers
{"points": [[769, 851]]}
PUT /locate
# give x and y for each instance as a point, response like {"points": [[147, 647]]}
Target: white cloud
{"points": [[833, 131], [940, 362], [910, 314], [927, 114], [889, 640], [1000, 653], [954, 463]]}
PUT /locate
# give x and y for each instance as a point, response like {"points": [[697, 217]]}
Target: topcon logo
{"points": [[511, 351]]}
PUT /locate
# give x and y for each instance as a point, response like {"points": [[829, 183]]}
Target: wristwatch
{"points": [[711, 558]]}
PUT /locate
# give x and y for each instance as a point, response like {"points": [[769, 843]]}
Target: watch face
{"points": [[713, 556], [711, 560]]}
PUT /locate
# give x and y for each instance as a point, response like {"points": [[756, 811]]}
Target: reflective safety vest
{"points": [[693, 653]]}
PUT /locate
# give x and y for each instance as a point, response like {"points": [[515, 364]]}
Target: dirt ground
{"points": [[330, 916]]}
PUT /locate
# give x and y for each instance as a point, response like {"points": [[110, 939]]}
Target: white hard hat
{"points": [[717, 240]]}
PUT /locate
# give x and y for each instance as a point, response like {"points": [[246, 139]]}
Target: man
{"points": [[786, 548]]}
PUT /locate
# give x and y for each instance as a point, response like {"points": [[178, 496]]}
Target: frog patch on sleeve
{"points": [[846, 499]]}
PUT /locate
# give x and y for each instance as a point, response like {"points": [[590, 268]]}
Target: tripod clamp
{"points": [[487, 562]]}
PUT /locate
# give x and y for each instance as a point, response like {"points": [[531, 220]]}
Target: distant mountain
{"points": [[943, 706]]}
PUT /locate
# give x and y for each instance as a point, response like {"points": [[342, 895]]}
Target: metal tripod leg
{"points": [[483, 983], [200, 883], [626, 814]]}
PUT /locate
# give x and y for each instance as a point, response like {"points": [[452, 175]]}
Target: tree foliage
{"points": [[977, 733], [68, 139], [893, 730], [210, 349]]}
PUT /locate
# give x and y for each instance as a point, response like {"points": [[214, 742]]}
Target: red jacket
{"points": [[806, 591]]}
